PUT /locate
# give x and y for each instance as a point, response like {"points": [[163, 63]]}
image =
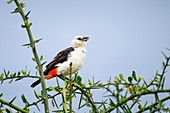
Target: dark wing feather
{"points": [[60, 58]]}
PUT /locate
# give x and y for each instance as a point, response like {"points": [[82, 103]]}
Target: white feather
{"points": [[76, 57]]}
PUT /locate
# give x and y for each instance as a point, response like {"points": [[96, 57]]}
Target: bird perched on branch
{"points": [[60, 65]]}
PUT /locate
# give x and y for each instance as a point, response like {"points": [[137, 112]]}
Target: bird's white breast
{"points": [[76, 57]]}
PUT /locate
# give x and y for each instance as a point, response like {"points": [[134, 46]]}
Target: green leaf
{"points": [[50, 89], [89, 82], [15, 11], [140, 78], [109, 80], [7, 110], [116, 79], [26, 23], [23, 72], [121, 77], [130, 79], [64, 99], [41, 57], [10, 81], [88, 104], [55, 103], [23, 5], [13, 75], [56, 89], [160, 104], [1, 94], [134, 75], [1, 76], [23, 26], [111, 102], [163, 64], [24, 99], [52, 102], [36, 95], [10, 1], [36, 67], [33, 59], [78, 80], [29, 25]]}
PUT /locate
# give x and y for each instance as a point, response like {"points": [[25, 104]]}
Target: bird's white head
{"points": [[79, 41]]}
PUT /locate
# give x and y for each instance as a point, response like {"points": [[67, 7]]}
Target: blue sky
{"points": [[124, 36]]}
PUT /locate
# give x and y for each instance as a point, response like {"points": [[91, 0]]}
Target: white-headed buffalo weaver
{"points": [[60, 65]]}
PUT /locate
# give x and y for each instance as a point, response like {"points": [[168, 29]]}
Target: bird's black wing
{"points": [[60, 58]]}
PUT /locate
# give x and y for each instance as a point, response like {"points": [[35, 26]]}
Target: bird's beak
{"points": [[85, 39]]}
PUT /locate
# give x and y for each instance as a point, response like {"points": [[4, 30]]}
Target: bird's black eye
{"points": [[79, 39]]}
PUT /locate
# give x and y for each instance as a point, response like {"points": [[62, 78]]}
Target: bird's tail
{"points": [[35, 83], [51, 74]]}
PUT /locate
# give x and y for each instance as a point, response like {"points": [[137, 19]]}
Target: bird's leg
{"points": [[62, 77]]}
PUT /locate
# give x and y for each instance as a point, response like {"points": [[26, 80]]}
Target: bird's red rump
{"points": [[52, 74]]}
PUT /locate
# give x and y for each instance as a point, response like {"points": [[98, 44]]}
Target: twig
{"points": [[152, 105], [27, 26], [40, 100], [20, 77], [13, 106], [88, 97], [136, 95], [71, 88], [163, 71]]}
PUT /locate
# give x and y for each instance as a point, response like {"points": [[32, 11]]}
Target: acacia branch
{"points": [[164, 70], [13, 106], [148, 92], [71, 88], [87, 96], [152, 105], [40, 100], [32, 44], [19, 77]]}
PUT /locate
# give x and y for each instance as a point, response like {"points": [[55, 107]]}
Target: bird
{"points": [[72, 56]]}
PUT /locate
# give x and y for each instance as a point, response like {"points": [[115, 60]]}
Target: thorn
{"points": [[12, 100], [43, 63], [29, 45], [26, 16], [36, 41], [168, 49], [63, 77], [2, 81], [164, 55]]}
